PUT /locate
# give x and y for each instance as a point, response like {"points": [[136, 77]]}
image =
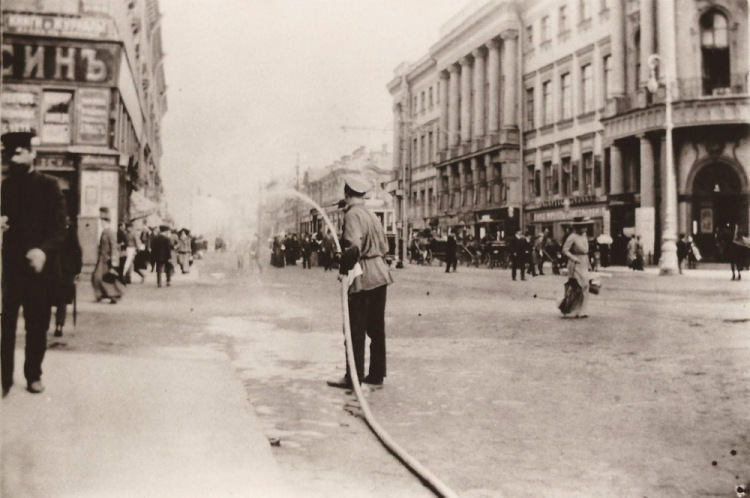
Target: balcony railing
{"points": [[697, 88]]}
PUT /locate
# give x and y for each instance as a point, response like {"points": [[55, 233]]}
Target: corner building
{"points": [[87, 77], [526, 114]]}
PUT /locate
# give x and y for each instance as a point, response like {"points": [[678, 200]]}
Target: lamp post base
{"points": [[668, 264]]}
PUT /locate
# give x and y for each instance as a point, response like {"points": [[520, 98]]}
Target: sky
{"points": [[253, 85]]}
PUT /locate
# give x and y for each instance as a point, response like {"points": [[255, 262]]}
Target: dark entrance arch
{"points": [[719, 204]]}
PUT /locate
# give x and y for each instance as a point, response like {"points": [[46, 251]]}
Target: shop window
{"points": [[57, 108], [715, 52]]}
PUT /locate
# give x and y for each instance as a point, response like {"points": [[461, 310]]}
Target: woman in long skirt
{"points": [[106, 284], [576, 249]]}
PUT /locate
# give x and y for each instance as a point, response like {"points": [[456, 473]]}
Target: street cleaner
{"points": [[362, 262]]}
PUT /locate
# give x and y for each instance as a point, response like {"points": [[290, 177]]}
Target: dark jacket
{"points": [[450, 247], [35, 207], [161, 248], [520, 249]]}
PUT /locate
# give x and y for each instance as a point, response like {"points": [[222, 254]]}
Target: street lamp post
{"points": [[668, 262]]}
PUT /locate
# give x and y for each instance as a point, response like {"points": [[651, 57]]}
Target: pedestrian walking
{"points": [[106, 277], [519, 252], [255, 253], [576, 249], [71, 262], [682, 251], [32, 219], [305, 251], [531, 260], [161, 250], [328, 249], [131, 247], [451, 257], [184, 251], [364, 244], [538, 255]]}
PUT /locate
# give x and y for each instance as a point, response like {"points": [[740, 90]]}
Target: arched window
{"points": [[715, 52]]}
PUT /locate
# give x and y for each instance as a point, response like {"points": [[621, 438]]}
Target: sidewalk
{"points": [[719, 271], [127, 426]]}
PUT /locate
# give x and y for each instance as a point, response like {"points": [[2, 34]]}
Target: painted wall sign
{"points": [[92, 106], [57, 114], [19, 108], [95, 28], [55, 163], [28, 60], [591, 212]]}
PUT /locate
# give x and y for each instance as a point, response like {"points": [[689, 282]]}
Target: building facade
{"points": [[325, 186], [548, 115], [87, 77]]}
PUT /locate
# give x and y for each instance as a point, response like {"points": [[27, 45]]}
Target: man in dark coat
{"points": [[161, 251], [520, 250], [33, 224], [450, 254]]}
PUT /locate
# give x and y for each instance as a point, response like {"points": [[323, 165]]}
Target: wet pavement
{"points": [[487, 386]]}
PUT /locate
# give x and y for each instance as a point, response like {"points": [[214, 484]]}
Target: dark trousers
{"points": [[367, 318], [36, 300], [450, 261], [518, 264], [166, 267]]}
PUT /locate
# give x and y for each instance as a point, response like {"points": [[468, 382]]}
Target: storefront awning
{"points": [[142, 207]]}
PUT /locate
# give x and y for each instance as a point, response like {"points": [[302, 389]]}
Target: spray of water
{"points": [[286, 192]]}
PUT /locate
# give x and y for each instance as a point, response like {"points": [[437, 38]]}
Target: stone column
{"points": [[645, 216], [615, 173], [465, 99], [510, 97], [451, 184], [617, 83], [453, 106], [647, 38], [493, 78], [475, 180], [443, 129], [462, 169], [479, 79]]}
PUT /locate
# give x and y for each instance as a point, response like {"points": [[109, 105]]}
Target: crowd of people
{"points": [[313, 250]]}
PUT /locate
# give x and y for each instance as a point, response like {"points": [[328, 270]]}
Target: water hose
{"points": [[427, 477]]}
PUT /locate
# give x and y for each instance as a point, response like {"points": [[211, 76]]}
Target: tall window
{"points": [[565, 176], [585, 10], [537, 183], [607, 64], [430, 147], [565, 97], [547, 167], [547, 102], [575, 178], [715, 51], [555, 180], [597, 172], [530, 36], [432, 102], [564, 19], [588, 172], [545, 29], [423, 101], [587, 89], [530, 108], [530, 181]]}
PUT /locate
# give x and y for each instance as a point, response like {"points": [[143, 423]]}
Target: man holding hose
{"points": [[364, 246]]}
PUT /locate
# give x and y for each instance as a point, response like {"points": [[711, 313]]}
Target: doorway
{"points": [[718, 205]]}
